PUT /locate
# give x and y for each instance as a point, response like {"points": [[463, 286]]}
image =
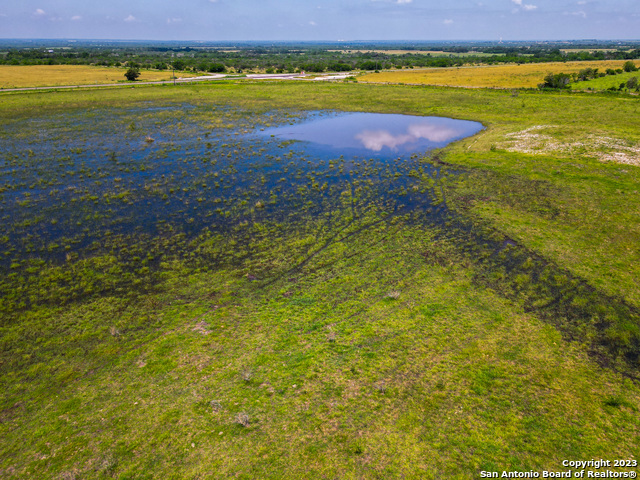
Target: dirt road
{"points": [[205, 78]]}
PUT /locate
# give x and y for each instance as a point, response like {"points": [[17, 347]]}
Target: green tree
{"points": [[179, 64], [632, 83], [217, 68], [629, 66], [587, 73], [132, 74], [559, 80]]}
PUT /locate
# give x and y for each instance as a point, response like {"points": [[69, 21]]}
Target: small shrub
{"points": [[243, 419], [613, 402], [381, 387], [616, 401], [107, 464]]}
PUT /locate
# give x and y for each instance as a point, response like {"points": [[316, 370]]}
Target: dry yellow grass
{"points": [[58, 75], [501, 76]]}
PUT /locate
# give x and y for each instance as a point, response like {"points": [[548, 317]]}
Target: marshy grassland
{"points": [[58, 75], [181, 300], [527, 75]]}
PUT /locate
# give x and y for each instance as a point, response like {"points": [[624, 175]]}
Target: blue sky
{"points": [[321, 19]]}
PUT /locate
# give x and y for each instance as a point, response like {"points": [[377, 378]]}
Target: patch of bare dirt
{"points": [[201, 327], [539, 140]]}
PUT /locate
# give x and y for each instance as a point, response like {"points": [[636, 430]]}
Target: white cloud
{"points": [[376, 140], [39, 12], [130, 18], [400, 2], [581, 13], [582, 2], [448, 21], [76, 18], [173, 20], [524, 6], [312, 23], [433, 133]]}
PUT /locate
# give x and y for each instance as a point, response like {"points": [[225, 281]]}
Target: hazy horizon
{"points": [[433, 41]]}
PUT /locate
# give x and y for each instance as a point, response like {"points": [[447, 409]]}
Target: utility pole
{"points": [[173, 69]]}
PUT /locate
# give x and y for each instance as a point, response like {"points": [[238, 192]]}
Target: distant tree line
{"points": [[291, 59]]}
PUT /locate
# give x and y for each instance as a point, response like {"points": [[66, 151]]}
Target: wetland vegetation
{"points": [[192, 289]]}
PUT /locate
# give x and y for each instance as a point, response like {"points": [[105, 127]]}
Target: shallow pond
{"points": [[377, 134], [68, 182]]}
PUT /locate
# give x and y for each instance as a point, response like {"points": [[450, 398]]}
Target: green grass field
{"points": [[604, 83], [361, 343]]}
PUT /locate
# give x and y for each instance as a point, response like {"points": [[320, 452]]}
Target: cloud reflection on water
{"points": [[376, 140]]}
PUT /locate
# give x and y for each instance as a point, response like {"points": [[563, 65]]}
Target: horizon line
{"points": [[556, 40]]}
